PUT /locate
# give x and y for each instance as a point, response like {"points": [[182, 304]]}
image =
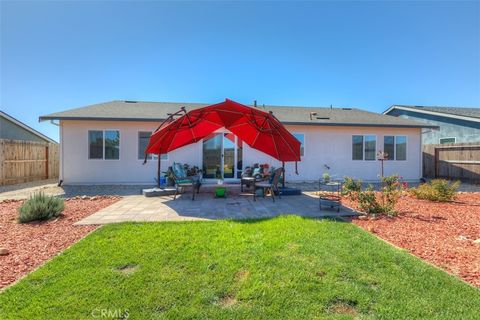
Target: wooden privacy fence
{"points": [[452, 161], [25, 161]]}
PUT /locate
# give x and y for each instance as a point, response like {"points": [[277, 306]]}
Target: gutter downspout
{"points": [[61, 175]]}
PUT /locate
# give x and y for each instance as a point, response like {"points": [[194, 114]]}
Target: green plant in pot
{"points": [[169, 177]]}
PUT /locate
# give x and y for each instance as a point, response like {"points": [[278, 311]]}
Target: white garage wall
{"points": [[330, 146]]}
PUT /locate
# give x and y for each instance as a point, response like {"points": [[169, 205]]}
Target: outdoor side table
{"points": [[330, 194]]}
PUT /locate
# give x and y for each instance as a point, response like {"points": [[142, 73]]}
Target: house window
{"points": [[357, 148], [395, 147], [112, 144], [400, 148], [364, 147], [389, 147], [300, 137], [95, 144], [370, 147], [143, 138], [104, 144], [448, 140]]}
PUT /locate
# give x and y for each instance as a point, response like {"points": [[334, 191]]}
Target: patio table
{"points": [[330, 194]]}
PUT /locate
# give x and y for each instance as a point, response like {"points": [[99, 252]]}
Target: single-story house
{"points": [[104, 144], [456, 125]]}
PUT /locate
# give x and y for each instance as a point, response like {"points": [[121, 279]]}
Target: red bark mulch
{"points": [[31, 244], [440, 233]]}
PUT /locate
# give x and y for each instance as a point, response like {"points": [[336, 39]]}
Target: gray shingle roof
{"points": [[157, 111], [457, 111]]}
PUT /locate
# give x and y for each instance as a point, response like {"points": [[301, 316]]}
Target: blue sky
{"points": [[60, 55]]}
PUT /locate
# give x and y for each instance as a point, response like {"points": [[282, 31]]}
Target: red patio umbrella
{"points": [[257, 128]]}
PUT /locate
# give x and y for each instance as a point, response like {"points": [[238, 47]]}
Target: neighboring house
{"points": [[25, 154], [104, 143], [13, 129], [457, 125]]}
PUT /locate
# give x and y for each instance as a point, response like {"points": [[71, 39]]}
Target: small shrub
{"points": [[351, 187], [367, 201], [40, 207], [390, 193], [388, 196], [437, 190]]}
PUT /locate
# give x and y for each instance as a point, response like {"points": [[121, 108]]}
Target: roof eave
{"points": [[338, 124], [46, 118], [346, 124]]}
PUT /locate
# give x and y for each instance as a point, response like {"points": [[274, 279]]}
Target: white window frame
{"points": [[394, 158], [304, 142], [440, 139], [103, 145], [164, 156], [363, 146]]}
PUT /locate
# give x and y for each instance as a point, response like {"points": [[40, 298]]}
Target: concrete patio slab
{"points": [[138, 208]]}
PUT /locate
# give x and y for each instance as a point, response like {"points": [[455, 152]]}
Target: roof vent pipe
{"points": [[254, 103]]}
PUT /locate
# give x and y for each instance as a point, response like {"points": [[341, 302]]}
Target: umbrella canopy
{"points": [[257, 128]]}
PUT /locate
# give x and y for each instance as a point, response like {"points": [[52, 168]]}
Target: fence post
{"points": [[47, 162]]}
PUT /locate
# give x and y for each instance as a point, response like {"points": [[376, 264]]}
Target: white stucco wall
{"points": [[330, 146], [78, 169]]}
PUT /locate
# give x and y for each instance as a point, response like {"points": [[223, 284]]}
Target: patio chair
{"points": [[271, 185], [251, 175], [247, 178], [182, 181]]}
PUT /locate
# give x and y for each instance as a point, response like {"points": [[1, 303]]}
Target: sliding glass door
{"points": [[222, 156]]}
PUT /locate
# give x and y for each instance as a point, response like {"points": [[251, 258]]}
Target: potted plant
{"points": [[169, 177]]}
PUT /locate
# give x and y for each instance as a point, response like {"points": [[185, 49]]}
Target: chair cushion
{"points": [[184, 181], [247, 172], [179, 171]]}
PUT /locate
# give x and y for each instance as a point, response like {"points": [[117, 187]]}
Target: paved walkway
{"points": [[205, 207]]}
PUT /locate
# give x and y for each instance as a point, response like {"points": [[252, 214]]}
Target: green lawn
{"points": [[286, 267]]}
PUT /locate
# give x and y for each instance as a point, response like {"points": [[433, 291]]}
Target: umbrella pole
{"points": [[283, 177], [158, 169]]}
